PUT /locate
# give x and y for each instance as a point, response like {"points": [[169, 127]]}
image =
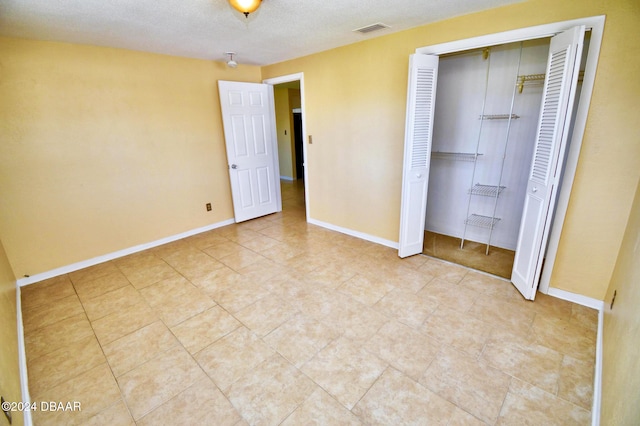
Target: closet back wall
{"points": [[460, 98]]}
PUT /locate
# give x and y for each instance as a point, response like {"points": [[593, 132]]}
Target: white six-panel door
{"points": [[421, 98], [248, 122], [551, 140]]}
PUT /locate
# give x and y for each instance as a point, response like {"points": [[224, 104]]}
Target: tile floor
{"points": [[276, 321]]}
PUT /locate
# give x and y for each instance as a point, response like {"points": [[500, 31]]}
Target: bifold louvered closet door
{"points": [[551, 140], [421, 96]]}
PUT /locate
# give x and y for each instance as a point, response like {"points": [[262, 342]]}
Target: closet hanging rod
{"points": [[458, 156], [537, 79], [498, 116]]}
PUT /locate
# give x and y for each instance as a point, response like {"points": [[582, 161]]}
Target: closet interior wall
{"points": [[468, 84]]}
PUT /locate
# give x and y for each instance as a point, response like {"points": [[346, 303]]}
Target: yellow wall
{"points": [[9, 369], [283, 130], [355, 99], [621, 364], [104, 149]]}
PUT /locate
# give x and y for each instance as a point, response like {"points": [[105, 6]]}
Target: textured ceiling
{"points": [[206, 29]]}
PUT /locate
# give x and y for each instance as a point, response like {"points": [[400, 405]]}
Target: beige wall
{"points": [[621, 364], [104, 149], [9, 368], [355, 99], [283, 130]]}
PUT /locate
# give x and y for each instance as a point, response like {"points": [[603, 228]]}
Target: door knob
{"points": [[534, 189], [234, 166], [419, 175]]}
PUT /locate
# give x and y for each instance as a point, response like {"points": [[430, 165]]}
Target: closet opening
{"points": [[486, 115], [491, 159]]}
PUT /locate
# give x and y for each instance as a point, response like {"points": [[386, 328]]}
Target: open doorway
{"points": [[289, 131]]}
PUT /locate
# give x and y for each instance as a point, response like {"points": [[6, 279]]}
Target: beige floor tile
{"points": [[404, 348], [239, 234], [585, 317], [226, 360], [406, 307], [365, 290], [176, 300], [200, 404], [147, 271], [462, 331], [300, 338], [216, 280], [42, 316], [462, 418], [566, 337], [116, 415], [238, 294], [57, 335], [93, 272], [206, 239], [265, 314], [482, 283], [241, 259], [395, 399], [329, 276], [468, 383], [260, 243], [155, 382], [443, 270], [132, 350], [281, 252], [527, 404], [263, 270], [168, 249], [224, 249], [120, 323], [356, 322], [448, 294], [576, 382], [514, 315], [191, 262], [95, 390], [267, 394], [548, 306], [321, 303], [63, 364], [205, 328], [113, 301], [345, 370], [320, 408], [526, 361], [88, 289], [46, 292]]}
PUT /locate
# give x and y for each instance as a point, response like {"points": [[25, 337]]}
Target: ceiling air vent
{"points": [[371, 28]]}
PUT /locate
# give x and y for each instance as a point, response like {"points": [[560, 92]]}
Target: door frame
{"points": [[288, 79], [596, 25]]}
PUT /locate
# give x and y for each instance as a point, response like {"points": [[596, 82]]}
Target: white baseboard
{"points": [[22, 360], [287, 178], [117, 254], [597, 377], [576, 298], [353, 233]]}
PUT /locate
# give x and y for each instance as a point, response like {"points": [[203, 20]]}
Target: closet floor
{"points": [[498, 262]]}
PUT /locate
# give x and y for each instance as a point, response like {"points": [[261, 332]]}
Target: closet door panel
{"points": [[551, 139], [421, 94]]}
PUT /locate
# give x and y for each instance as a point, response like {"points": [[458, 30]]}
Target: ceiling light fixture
{"points": [[230, 62], [245, 6]]}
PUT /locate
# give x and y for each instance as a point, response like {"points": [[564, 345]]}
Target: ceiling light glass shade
{"points": [[245, 6]]}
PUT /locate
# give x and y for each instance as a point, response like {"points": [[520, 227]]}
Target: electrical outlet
{"points": [[208, 205], [6, 409], [613, 299]]}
